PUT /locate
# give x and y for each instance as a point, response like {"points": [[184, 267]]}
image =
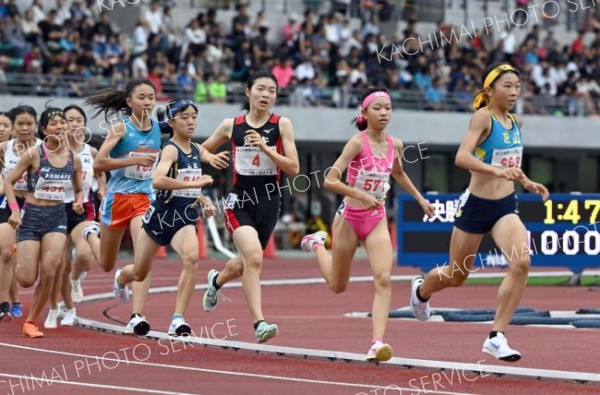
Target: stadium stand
{"points": [[71, 48]]}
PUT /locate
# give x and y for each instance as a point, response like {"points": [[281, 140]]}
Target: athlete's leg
{"points": [[248, 245], [140, 289], [7, 262], [109, 244], [83, 252], [510, 235], [335, 268], [463, 250], [381, 258], [50, 253], [145, 251], [185, 243]]}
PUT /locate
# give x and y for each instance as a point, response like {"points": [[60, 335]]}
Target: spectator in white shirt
{"points": [[154, 16], [140, 37]]}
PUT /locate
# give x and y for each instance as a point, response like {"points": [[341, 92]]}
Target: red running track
{"points": [[309, 316]]}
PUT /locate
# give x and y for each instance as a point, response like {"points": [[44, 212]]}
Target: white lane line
{"points": [[40, 381], [224, 372]]}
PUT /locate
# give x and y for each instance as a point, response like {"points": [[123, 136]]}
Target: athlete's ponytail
{"points": [[111, 101]]}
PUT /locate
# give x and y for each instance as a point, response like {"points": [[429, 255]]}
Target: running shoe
{"points": [[17, 310], [121, 293], [211, 295], [179, 327], [308, 241], [52, 319], [76, 290], [380, 352], [498, 347], [5, 314], [94, 228], [419, 309], [70, 317], [31, 330], [137, 325], [265, 331]]}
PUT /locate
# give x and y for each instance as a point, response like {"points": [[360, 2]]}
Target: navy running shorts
{"points": [[478, 215], [37, 221], [162, 221]]}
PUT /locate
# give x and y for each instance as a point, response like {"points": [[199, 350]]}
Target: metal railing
{"points": [[48, 85]]}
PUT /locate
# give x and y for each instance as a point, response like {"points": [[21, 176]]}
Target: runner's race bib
{"points": [[187, 175], [51, 189], [139, 172], [374, 183], [251, 161], [510, 157]]}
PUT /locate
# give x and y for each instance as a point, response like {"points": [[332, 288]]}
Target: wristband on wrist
{"points": [[14, 206]]}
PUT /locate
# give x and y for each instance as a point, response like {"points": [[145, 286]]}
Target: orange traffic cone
{"points": [[270, 252], [161, 253], [202, 253]]}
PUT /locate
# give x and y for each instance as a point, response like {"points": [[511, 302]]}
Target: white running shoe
{"points": [[51, 320], [179, 327], [122, 293], [76, 290], [211, 295], [137, 325], [265, 331], [82, 276], [70, 317], [498, 347], [379, 352], [309, 241], [94, 228], [420, 310]]}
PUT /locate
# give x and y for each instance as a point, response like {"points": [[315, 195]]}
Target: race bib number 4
{"points": [[510, 157], [251, 161], [139, 172], [375, 184], [51, 189], [188, 175]]}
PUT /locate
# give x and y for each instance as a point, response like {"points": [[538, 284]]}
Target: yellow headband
{"points": [[481, 98]]}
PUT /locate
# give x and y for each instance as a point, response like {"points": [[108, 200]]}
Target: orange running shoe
{"points": [[30, 330]]}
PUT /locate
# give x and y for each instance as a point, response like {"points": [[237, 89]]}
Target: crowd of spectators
{"points": [[319, 59]]}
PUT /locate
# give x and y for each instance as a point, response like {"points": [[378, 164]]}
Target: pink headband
{"points": [[368, 100], [372, 97]]}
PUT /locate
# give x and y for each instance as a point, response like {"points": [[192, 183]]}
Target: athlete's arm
{"points": [[2, 154], [480, 124], [26, 162], [219, 137], [288, 162], [160, 180], [104, 162], [100, 175], [77, 185], [333, 177], [405, 182]]}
